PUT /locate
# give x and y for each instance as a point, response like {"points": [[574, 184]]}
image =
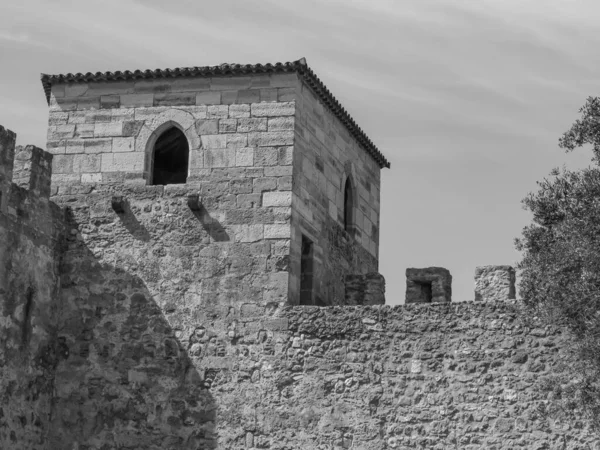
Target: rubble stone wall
{"points": [[436, 376], [325, 155], [30, 245]]}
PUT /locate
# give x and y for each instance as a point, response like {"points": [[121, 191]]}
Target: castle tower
{"points": [[231, 185]]}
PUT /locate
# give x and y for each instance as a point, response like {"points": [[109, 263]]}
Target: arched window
{"points": [[171, 155], [348, 206]]}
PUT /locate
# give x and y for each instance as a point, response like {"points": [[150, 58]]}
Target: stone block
{"points": [[58, 118], [75, 146], [122, 162], [75, 89], [239, 111], [61, 131], [110, 101], [277, 231], [230, 83], [280, 80], [110, 88], [84, 130], [284, 183], [248, 96], [272, 109], [137, 100], [285, 156], [277, 199], [227, 125], [269, 95], [240, 186], [286, 94], [91, 177], [427, 285], [244, 157], [278, 171], [208, 98], [189, 84], [248, 200], [246, 125], [86, 103], [237, 140], [213, 141], [228, 97], [108, 129], [219, 157], [280, 123], [207, 126], [271, 138], [217, 112], [249, 233], [495, 283], [123, 144], [175, 99], [103, 145], [131, 128], [62, 164], [266, 156], [264, 184], [86, 163], [56, 147]]}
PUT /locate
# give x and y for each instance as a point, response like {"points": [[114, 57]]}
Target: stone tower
{"points": [[230, 185]]}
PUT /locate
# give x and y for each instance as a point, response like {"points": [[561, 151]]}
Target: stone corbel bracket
{"points": [[194, 202], [118, 204]]}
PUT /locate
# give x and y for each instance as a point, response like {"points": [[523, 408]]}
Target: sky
{"points": [[465, 98]]}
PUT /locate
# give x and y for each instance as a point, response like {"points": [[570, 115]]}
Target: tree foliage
{"points": [[560, 269]]}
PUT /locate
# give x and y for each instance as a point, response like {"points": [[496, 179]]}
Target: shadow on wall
{"points": [[129, 381]]}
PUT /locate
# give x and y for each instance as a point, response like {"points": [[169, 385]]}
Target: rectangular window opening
{"points": [[426, 291], [306, 272]]}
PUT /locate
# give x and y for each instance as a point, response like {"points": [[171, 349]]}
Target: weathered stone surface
{"points": [[368, 289], [495, 283], [431, 284]]}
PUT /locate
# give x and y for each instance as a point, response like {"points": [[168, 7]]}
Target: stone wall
{"points": [[325, 155], [240, 134], [436, 376], [30, 244]]}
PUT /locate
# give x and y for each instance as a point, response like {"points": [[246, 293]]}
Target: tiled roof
{"points": [[299, 67]]}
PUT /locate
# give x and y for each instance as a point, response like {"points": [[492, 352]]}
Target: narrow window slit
{"points": [[306, 272]]}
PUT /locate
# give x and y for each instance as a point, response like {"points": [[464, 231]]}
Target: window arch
{"points": [[349, 206], [170, 157]]}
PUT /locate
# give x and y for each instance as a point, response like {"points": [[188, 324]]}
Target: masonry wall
{"points": [[240, 133], [30, 244], [325, 155], [466, 375]]}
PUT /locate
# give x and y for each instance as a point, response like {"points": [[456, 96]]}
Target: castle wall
{"points": [[119, 355], [466, 375], [30, 244], [325, 154]]}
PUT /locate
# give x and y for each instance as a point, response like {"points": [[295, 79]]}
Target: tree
{"points": [[560, 269]]}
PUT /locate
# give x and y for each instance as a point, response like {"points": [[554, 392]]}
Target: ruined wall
{"points": [[30, 244], [325, 154]]}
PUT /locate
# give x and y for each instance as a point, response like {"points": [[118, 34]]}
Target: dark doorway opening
{"points": [[171, 156], [426, 291], [306, 272]]}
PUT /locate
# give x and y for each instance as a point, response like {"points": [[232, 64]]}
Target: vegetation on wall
{"points": [[560, 277]]}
